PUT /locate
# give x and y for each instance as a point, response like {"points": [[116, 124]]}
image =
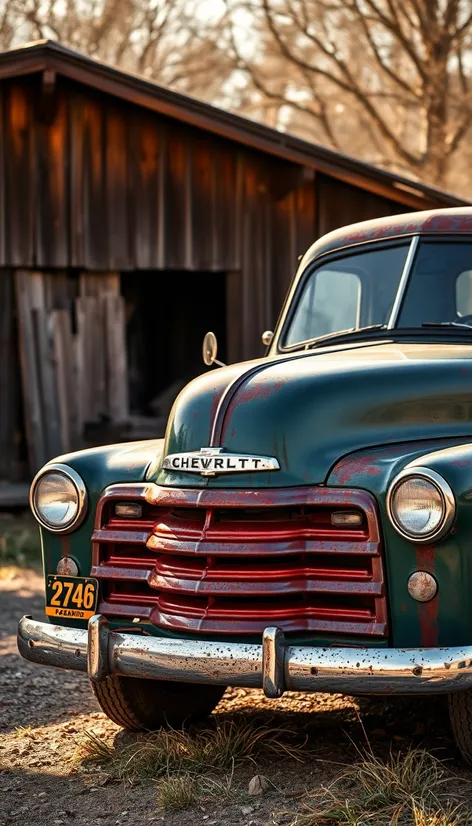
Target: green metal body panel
{"points": [[311, 408], [320, 414], [98, 467], [345, 415], [448, 617]]}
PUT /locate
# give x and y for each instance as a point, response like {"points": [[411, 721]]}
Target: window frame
{"points": [[424, 241], [332, 257], [463, 272], [359, 294]]}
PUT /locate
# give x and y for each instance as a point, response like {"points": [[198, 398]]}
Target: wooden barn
{"points": [[132, 220]]}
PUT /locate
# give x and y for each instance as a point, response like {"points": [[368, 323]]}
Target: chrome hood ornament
{"points": [[211, 461]]}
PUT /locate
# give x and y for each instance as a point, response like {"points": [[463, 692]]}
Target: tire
{"points": [[146, 705], [460, 713]]}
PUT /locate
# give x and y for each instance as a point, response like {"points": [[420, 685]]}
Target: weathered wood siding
{"points": [[340, 204], [100, 184], [12, 441], [90, 183]]}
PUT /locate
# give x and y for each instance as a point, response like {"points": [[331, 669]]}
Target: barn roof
{"points": [[50, 55]]}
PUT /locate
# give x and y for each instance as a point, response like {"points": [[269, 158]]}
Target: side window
{"points": [[330, 303], [464, 293], [347, 292]]}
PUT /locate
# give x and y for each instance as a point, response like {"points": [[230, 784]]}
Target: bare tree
{"points": [[164, 40], [397, 69], [386, 80]]}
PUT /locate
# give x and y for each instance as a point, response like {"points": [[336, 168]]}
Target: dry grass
{"points": [[26, 733], [408, 789], [191, 767], [456, 816], [177, 793], [170, 753], [185, 790]]}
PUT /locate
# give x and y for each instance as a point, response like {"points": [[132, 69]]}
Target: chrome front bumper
{"points": [[274, 666]]}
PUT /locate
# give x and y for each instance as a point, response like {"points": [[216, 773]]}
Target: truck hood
{"points": [[310, 409]]}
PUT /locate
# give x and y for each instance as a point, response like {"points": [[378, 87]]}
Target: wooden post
{"points": [[34, 416], [116, 361]]}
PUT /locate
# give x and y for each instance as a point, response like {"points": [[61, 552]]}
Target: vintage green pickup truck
{"points": [[306, 524]]}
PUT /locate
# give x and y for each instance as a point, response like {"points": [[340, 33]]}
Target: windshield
{"points": [[359, 290], [440, 285], [354, 291]]}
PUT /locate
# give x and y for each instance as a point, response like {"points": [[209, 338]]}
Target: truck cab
{"points": [[306, 524]]}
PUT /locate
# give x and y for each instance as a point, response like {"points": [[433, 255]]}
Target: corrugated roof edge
{"points": [[48, 54]]}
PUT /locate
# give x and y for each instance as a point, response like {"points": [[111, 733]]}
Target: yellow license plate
{"points": [[71, 597]]}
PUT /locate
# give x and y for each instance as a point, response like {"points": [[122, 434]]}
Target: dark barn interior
{"points": [[132, 220]]}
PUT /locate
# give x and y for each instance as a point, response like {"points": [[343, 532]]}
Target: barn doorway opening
{"points": [[167, 315]]}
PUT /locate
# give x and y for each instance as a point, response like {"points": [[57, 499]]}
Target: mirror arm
{"points": [[210, 350]]}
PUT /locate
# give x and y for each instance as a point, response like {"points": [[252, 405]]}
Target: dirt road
{"points": [[43, 715]]}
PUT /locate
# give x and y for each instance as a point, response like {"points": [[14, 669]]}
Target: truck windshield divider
{"points": [[403, 282]]}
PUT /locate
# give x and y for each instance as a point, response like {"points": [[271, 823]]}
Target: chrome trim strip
{"points": [[447, 496], [213, 461], [79, 485], [223, 404], [305, 668], [190, 661], [273, 657], [97, 653], [55, 645], [403, 282]]}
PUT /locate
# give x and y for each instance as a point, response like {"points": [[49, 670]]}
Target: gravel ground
{"points": [[44, 713]]}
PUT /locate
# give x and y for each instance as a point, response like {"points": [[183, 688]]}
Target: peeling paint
{"points": [[64, 541], [428, 611], [235, 561], [437, 221], [355, 465]]}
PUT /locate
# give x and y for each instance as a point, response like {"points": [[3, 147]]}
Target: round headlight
{"points": [[421, 505], [58, 498]]}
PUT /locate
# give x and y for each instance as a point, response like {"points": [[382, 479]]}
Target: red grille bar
{"points": [[232, 562]]}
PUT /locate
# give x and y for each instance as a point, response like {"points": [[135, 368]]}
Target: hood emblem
{"points": [[210, 461]]}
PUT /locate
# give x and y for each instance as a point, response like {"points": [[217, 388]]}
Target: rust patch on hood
{"points": [[357, 465]]}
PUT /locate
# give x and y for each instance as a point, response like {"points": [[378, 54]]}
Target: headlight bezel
{"points": [[447, 497], [82, 497]]}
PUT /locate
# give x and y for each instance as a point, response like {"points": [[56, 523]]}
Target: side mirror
{"points": [[267, 337], [210, 350]]}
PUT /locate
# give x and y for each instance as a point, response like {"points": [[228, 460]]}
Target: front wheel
{"points": [[460, 713], [147, 705]]}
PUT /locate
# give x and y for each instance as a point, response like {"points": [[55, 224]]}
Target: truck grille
{"points": [[234, 562]]}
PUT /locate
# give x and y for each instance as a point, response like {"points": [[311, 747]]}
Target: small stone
{"points": [[43, 794], [258, 785], [70, 727], [246, 810]]}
